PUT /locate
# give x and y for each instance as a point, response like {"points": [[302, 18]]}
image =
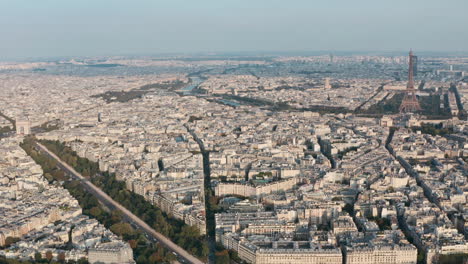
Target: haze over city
{"points": [[53, 28], [233, 132]]}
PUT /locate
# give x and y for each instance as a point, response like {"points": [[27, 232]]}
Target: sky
{"points": [[54, 28]]}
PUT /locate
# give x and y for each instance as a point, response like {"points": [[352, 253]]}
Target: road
{"points": [[107, 200], [370, 98], [210, 216], [12, 121], [7, 134]]}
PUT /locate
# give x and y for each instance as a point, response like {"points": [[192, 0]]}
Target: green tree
{"points": [[11, 240], [142, 260], [122, 229], [348, 208], [156, 257], [61, 257], [453, 258], [222, 257], [49, 255], [37, 256], [95, 211]]}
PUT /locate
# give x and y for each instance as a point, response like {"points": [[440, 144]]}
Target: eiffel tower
{"points": [[410, 102]]}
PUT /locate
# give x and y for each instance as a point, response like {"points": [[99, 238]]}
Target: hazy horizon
{"points": [[52, 28]]}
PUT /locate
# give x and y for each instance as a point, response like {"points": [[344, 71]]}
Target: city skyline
{"points": [[233, 132]]}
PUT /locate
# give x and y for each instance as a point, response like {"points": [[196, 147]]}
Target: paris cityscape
{"points": [[294, 156]]}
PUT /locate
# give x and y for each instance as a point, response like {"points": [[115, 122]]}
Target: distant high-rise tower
{"points": [[415, 65], [410, 102], [331, 57], [327, 85]]}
